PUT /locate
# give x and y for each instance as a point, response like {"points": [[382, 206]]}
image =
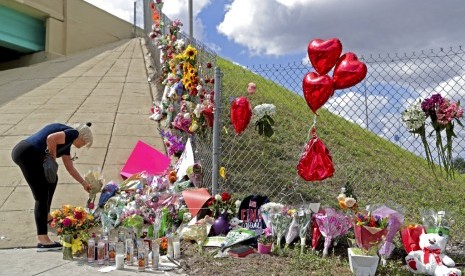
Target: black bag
{"points": [[50, 168]]}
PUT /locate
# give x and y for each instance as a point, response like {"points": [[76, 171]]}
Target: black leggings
{"points": [[30, 162]]}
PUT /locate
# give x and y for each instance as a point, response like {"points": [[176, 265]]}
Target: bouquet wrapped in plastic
{"points": [[395, 221], [95, 181], [369, 229], [331, 225]]}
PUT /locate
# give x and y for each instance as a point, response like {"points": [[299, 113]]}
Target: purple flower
{"points": [[432, 103]]}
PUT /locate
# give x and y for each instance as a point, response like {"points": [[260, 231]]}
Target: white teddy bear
{"points": [[431, 260]]}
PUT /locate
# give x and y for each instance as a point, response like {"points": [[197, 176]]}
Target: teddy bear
{"points": [[431, 259]]}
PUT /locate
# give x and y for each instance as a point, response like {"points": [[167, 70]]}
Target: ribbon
{"points": [[67, 245], [435, 252]]}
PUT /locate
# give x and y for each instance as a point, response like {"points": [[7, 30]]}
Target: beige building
{"points": [[32, 31]]}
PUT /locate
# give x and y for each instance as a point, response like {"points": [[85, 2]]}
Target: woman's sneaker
{"points": [[49, 247]]}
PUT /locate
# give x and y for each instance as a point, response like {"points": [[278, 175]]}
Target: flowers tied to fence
{"points": [[262, 119], [442, 112]]}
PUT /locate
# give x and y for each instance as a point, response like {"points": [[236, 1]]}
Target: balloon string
{"points": [[312, 130]]}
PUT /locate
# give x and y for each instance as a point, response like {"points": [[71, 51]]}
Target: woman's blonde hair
{"points": [[85, 133]]}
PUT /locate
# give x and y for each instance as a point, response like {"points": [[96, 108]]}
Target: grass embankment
{"points": [[380, 171]]}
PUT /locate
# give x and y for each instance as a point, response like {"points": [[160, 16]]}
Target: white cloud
{"points": [[174, 9], [179, 9], [279, 27]]}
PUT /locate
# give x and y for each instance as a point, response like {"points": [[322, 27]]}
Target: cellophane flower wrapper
{"points": [[237, 235], [304, 218], [331, 225], [267, 211], [280, 224], [95, 181], [134, 182], [410, 236], [434, 223], [395, 221], [293, 230]]}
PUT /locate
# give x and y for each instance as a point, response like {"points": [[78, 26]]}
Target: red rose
{"points": [[225, 196], [211, 201]]}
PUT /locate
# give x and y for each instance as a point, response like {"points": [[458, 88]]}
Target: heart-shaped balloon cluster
{"points": [[324, 55]]}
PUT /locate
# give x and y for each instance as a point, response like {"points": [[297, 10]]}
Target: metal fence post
{"points": [[216, 131], [134, 26]]}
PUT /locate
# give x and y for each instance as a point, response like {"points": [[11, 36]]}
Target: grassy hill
{"points": [[380, 171]]}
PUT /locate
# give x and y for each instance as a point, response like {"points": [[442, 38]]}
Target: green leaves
{"points": [[265, 126]]}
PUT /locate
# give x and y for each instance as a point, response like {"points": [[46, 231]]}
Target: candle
{"points": [[177, 249], [120, 261]]}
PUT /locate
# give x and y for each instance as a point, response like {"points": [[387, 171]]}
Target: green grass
{"points": [[380, 171]]}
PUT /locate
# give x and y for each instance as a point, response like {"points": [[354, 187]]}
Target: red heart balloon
{"points": [[317, 90], [315, 162], [348, 71], [241, 112], [323, 54]]}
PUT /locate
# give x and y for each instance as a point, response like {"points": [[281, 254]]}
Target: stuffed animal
{"points": [[234, 223], [431, 259]]}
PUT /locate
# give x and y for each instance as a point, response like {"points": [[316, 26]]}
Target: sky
{"points": [[254, 32], [275, 31]]}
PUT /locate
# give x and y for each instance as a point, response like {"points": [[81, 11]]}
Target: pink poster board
{"points": [[145, 158]]}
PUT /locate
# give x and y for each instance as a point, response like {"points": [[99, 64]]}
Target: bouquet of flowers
{"points": [[331, 224], [268, 210], [281, 222], [173, 143], [262, 118], [369, 229], [222, 204], [72, 224], [442, 112]]}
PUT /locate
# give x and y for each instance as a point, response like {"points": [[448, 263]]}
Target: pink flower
{"points": [[67, 222]]}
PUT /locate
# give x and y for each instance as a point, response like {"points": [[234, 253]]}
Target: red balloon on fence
{"points": [[317, 90], [323, 54], [241, 112], [315, 162], [348, 71]]}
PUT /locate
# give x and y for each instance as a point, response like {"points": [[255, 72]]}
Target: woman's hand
{"points": [[86, 186]]}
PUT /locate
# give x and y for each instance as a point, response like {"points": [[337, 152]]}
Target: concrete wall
{"points": [[87, 26], [71, 26]]}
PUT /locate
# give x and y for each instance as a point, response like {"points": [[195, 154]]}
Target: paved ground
{"points": [[107, 86]]}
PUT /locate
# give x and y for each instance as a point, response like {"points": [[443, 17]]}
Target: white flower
{"points": [[350, 202], [179, 44], [238, 204], [413, 116], [341, 197], [261, 110], [218, 197]]}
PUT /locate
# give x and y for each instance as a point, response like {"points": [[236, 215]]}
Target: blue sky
{"points": [[277, 31]]}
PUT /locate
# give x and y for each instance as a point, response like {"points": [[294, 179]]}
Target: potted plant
{"points": [[265, 242]]}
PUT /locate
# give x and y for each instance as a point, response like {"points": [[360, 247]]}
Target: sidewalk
{"points": [[106, 86]]}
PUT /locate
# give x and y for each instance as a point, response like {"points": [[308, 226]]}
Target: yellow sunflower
{"points": [[190, 53]]}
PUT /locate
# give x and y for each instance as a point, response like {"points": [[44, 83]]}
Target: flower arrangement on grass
{"points": [[369, 229], [222, 204], [442, 113], [73, 222]]}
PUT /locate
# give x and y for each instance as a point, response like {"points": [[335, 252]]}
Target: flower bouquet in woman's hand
{"points": [[95, 180]]}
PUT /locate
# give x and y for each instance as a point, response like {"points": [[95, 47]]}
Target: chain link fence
{"points": [[268, 166]]}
